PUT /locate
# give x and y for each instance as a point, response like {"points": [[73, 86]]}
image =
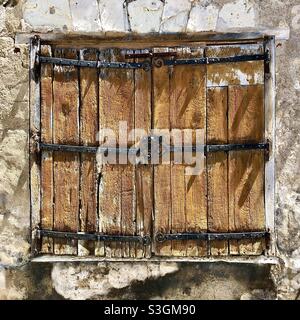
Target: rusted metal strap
{"points": [[134, 150], [94, 64], [92, 236], [157, 61], [161, 237], [84, 149]]}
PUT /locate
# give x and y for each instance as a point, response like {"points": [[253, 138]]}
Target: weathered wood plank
{"points": [[143, 173], [34, 159], [188, 112], [238, 73], [163, 207], [246, 169], [110, 207], [128, 208], [162, 173], [116, 105], [181, 112], [178, 207], [66, 165], [47, 159], [144, 206], [88, 131], [270, 90], [217, 167]]}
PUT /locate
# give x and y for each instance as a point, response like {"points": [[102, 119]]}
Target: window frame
{"points": [[34, 130]]}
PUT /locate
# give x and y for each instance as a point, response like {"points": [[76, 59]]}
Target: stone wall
{"points": [[20, 279]]}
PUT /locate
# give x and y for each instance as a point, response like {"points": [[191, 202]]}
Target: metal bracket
{"points": [[145, 240], [161, 237], [267, 65]]}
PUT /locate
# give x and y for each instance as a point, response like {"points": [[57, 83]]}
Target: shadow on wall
{"points": [[206, 281], [191, 281], [9, 3]]}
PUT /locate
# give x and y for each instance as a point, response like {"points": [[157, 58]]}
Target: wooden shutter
{"points": [[235, 114], [78, 196], [179, 103]]}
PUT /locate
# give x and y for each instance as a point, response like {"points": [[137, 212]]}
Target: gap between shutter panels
{"points": [[177, 247]]}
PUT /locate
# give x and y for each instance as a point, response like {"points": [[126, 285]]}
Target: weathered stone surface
{"points": [[48, 15], [113, 15], [236, 14], [2, 19], [209, 281], [202, 18], [85, 16], [89, 281], [144, 15], [175, 15]]}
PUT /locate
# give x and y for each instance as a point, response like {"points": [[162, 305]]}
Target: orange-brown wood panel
{"points": [[217, 167], [181, 112], [143, 172], [110, 207], [47, 159], [88, 134], [162, 173], [117, 104], [66, 165], [246, 168], [188, 112], [238, 73]]}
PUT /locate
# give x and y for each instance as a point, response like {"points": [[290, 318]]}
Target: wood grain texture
{"points": [[194, 87], [180, 94], [35, 128], [116, 94], [66, 165], [88, 132], [217, 167], [246, 169], [238, 73], [162, 173], [143, 172], [110, 207], [187, 112], [47, 158]]}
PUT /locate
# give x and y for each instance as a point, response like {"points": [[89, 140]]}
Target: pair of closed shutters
{"points": [[225, 100]]}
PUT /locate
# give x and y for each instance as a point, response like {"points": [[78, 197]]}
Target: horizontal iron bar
{"points": [[147, 64], [196, 61], [92, 64], [161, 237], [237, 146], [133, 150], [150, 54], [93, 236], [84, 149]]}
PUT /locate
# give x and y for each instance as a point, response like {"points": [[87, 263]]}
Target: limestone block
{"points": [[48, 15], [113, 15], [2, 18], [202, 18], [175, 16], [237, 14], [145, 15], [85, 15]]}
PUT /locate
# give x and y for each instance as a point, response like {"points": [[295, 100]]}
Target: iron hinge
{"points": [[145, 240], [161, 237]]}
